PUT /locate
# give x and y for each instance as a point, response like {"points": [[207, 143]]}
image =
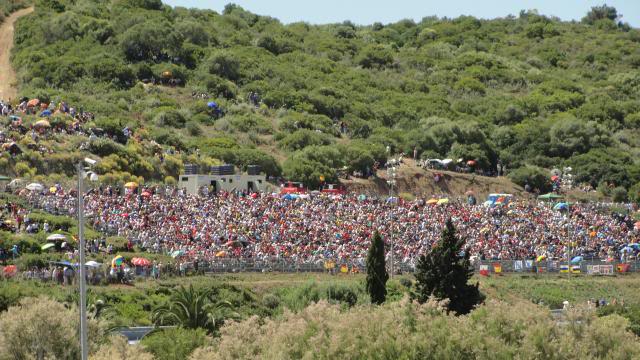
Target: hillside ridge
{"points": [[153, 88]]}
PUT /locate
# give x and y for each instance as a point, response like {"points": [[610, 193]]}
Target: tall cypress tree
{"points": [[444, 273], [376, 271]]}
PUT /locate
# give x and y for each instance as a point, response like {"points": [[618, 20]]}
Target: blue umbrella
{"points": [[177, 253], [290, 197], [561, 206], [577, 259], [45, 113], [626, 249], [212, 105]]}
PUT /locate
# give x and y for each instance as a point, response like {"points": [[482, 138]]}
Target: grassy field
{"points": [[551, 289], [269, 294]]}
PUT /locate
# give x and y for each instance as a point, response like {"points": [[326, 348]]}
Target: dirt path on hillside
{"points": [[7, 75]]}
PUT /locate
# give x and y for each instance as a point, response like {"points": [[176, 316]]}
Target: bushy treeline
{"points": [[529, 91]]}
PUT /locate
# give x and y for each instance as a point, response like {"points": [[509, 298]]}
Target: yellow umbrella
{"points": [[443, 201], [540, 258], [432, 201], [131, 185], [53, 189], [221, 254], [42, 123]]}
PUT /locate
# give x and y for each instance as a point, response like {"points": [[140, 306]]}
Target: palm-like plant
{"points": [[194, 308]]}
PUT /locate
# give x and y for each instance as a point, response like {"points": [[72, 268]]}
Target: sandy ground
{"points": [[7, 75]]}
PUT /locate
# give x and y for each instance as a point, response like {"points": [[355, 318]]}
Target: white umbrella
{"points": [[15, 183], [92, 264], [56, 237], [35, 187]]}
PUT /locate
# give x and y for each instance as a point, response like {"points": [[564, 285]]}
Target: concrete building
{"points": [[192, 183]]}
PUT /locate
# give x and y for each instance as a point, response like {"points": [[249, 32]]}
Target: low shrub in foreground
{"points": [[41, 328], [405, 330]]}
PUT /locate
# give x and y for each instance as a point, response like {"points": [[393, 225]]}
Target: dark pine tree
{"points": [[444, 273], [376, 271]]}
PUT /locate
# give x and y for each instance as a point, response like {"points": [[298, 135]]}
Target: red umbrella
{"points": [[254, 195], [140, 261], [555, 178], [10, 270], [146, 194]]}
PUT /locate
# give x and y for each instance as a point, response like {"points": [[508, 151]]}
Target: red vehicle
{"points": [[292, 188], [335, 189]]}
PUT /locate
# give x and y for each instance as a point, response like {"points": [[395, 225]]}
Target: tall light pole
{"points": [[84, 345], [391, 181]]}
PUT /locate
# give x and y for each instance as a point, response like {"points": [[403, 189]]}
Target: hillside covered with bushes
{"points": [[528, 91]]}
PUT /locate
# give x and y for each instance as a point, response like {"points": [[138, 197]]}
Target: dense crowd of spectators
{"points": [[261, 226]]}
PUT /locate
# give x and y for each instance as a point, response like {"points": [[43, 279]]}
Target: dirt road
{"points": [[7, 75]]}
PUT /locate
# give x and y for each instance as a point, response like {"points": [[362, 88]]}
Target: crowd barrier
{"points": [[589, 267], [284, 265], [484, 267]]}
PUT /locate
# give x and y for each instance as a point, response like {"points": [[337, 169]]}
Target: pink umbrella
{"points": [[10, 270], [140, 261]]}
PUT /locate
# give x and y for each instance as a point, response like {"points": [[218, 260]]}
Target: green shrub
{"points": [[302, 138], [173, 344], [271, 301], [171, 118], [630, 312], [342, 294], [619, 194], [534, 176], [193, 128]]}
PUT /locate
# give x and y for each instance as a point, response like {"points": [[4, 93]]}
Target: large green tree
{"points": [[377, 275], [444, 273]]}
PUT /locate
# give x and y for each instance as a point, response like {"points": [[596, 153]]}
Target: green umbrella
{"points": [[362, 197], [4, 178], [47, 246], [550, 196]]}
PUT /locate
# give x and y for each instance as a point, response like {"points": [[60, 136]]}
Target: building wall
{"points": [[239, 182]]}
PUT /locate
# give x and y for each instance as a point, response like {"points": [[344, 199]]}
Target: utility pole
{"points": [[84, 347]]}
